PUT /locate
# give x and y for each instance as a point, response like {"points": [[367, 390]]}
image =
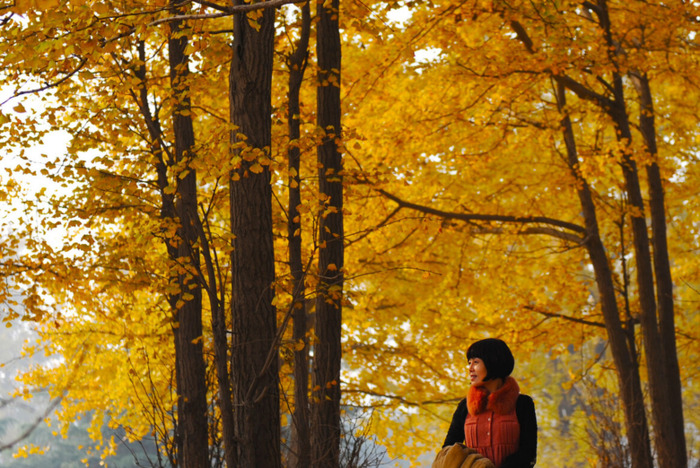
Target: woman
{"points": [[495, 419]]}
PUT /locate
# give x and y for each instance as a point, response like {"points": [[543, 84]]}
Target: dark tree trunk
{"points": [[254, 363], [658, 334], [672, 408], [325, 438], [625, 361], [218, 325], [164, 159], [647, 303], [621, 341], [190, 367], [300, 456], [656, 366]]}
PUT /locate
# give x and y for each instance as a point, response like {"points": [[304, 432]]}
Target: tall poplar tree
{"points": [[254, 355], [325, 437], [654, 283], [192, 434], [296, 64]]}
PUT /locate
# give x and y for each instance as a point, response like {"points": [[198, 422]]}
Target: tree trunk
{"points": [[254, 364], [655, 360], [325, 438], [300, 443], [219, 331], [662, 367], [656, 370], [625, 363], [672, 408], [191, 379], [624, 360]]}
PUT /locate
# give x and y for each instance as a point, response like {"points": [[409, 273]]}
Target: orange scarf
{"points": [[502, 401]]}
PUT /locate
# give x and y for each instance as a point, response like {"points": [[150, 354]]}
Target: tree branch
{"points": [[223, 12], [227, 11], [46, 86], [485, 217], [537, 230], [401, 399], [523, 36], [593, 7], [565, 317], [212, 5], [584, 92], [28, 431], [577, 88]]}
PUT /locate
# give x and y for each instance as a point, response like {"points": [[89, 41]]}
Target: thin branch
{"points": [[80, 354], [523, 36], [227, 11], [579, 89], [585, 93], [46, 86], [49, 409], [274, 347], [536, 230], [212, 5], [377, 227], [485, 217], [565, 317], [401, 399]]}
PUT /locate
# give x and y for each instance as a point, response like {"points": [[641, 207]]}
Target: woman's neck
{"points": [[493, 385]]}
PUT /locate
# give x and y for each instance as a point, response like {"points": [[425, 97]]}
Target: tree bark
{"points": [[658, 339], [255, 377], [191, 379], [657, 371], [300, 441], [325, 438], [218, 325], [672, 408], [656, 361], [625, 361]]}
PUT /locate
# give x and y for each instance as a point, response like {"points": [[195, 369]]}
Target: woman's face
{"points": [[477, 371]]}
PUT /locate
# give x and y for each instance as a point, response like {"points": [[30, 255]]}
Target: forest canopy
{"points": [[285, 222]]}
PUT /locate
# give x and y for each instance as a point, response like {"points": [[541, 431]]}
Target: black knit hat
{"points": [[496, 355]]}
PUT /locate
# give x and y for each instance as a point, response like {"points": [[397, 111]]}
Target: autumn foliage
{"points": [[526, 170]]}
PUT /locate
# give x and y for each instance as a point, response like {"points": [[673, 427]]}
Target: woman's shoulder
{"points": [[461, 407], [524, 400], [525, 407]]}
